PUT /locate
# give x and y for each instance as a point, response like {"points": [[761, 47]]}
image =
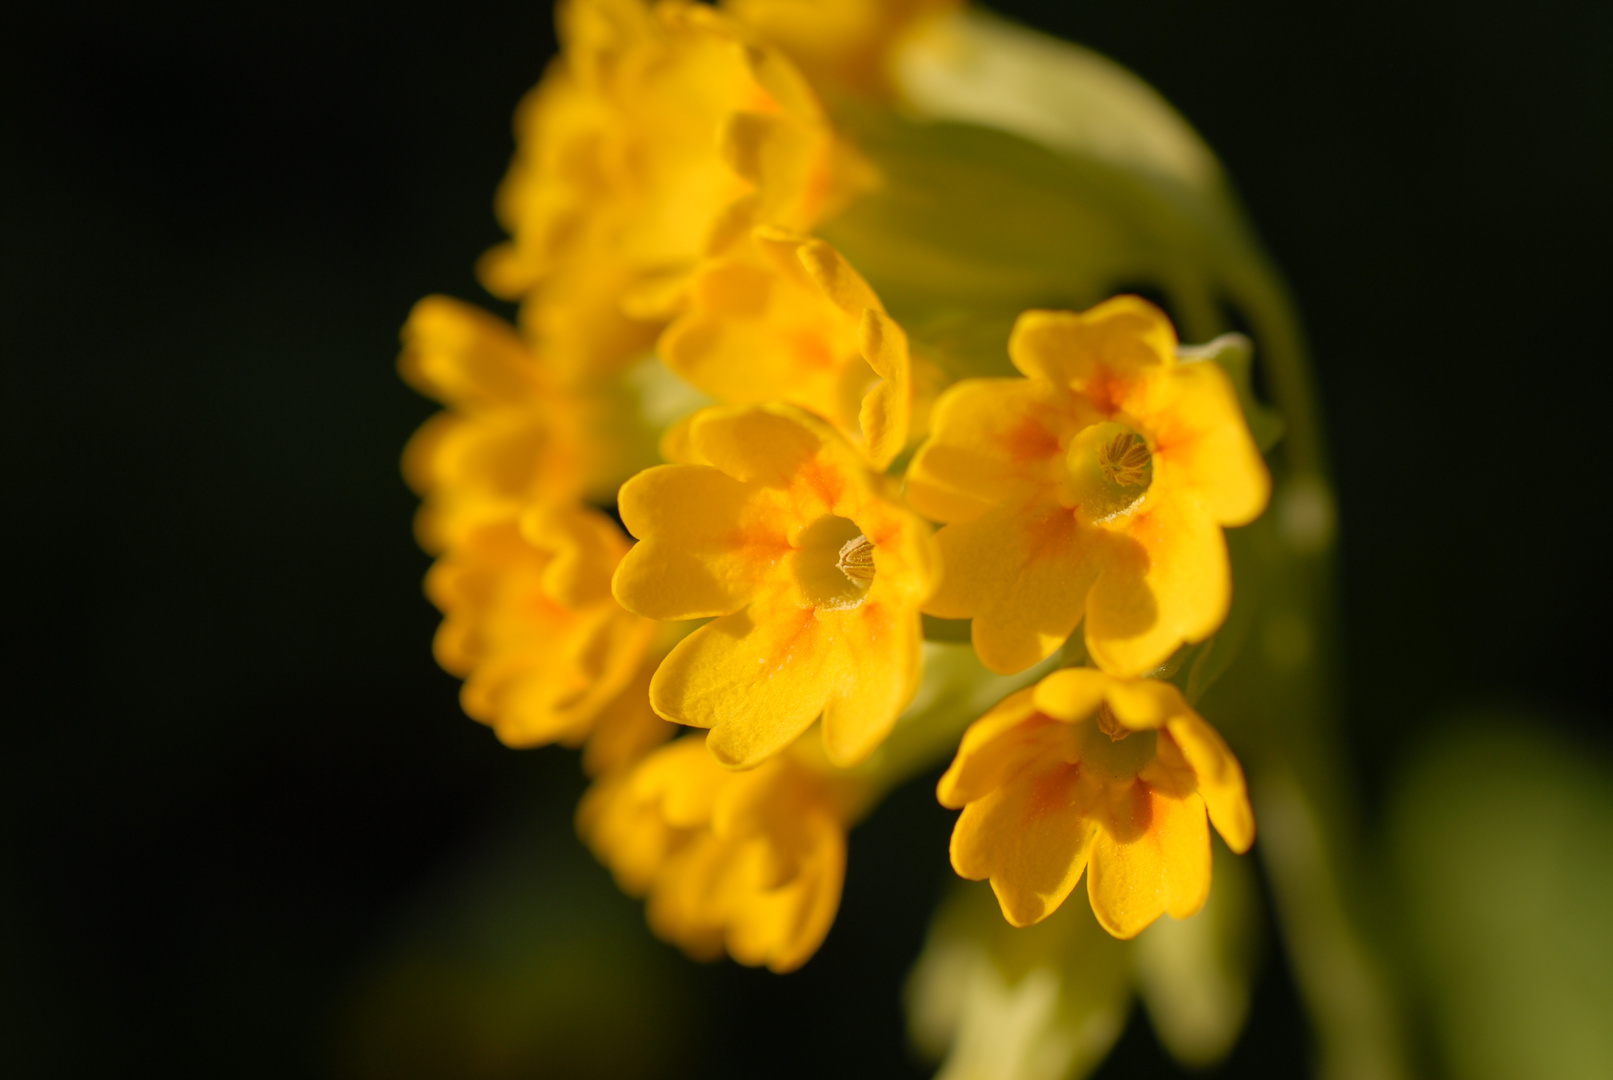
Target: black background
{"points": [[230, 763]]}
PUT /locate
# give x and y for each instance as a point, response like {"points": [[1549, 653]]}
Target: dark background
{"points": [[233, 777]]}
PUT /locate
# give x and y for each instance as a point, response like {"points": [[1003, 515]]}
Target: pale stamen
{"points": [[857, 559]]}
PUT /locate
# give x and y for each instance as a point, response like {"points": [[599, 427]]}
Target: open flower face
{"points": [[784, 317], [752, 862], [1098, 486], [530, 625], [815, 572], [1086, 772], [660, 134]]}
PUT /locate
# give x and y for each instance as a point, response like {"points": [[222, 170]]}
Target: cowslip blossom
{"points": [[658, 135], [530, 625], [1096, 486], [749, 862], [511, 433], [810, 562], [1085, 772], [783, 317]]}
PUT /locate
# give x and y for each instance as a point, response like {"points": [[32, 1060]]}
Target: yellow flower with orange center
{"points": [[511, 433], [1087, 772], [748, 861], [660, 134], [810, 562], [1097, 486], [785, 317], [530, 625]]}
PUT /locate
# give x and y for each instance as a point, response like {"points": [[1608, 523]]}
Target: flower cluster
{"points": [[831, 483]]}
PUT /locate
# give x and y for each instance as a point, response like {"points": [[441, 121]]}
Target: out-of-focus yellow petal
{"points": [[782, 317], [1072, 694], [1219, 778], [1022, 574], [844, 44], [1202, 448], [1167, 582], [751, 861], [1098, 353], [659, 136], [1164, 867], [531, 627]]}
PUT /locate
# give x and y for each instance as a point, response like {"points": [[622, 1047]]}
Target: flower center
{"points": [[1109, 469], [834, 563], [1109, 750], [1109, 725]]}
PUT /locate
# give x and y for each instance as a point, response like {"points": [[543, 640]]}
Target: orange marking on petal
{"points": [[1105, 391], [1028, 440], [1053, 792], [812, 351], [822, 480]]}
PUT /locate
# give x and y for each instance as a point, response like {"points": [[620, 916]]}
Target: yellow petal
{"points": [[1098, 352], [1220, 779], [886, 414], [767, 445], [991, 441], [758, 678], [1072, 694], [875, 652], [460, 354], [996, 748], [1030, 839], [1144, 704], [700, 553], [1165, 580], [1202, 448], [1160, 864], [1022, 574]]}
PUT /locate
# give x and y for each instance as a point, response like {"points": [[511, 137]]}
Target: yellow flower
{"points": [[659, 135], [813, 567], [753, 860], [784, 317], [511, 433], [530, 625], [839, 42], [1085, 771], [1098, 485]]}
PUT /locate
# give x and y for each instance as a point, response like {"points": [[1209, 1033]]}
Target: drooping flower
{"points": [[659, 134], [1087, 772], [813, 567], [751, 862], [511, 433], [784, 317], [1098, 486], [530, 625]]}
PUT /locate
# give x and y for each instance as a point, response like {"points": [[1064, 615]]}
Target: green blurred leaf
{"points": [[1502, 832]]}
